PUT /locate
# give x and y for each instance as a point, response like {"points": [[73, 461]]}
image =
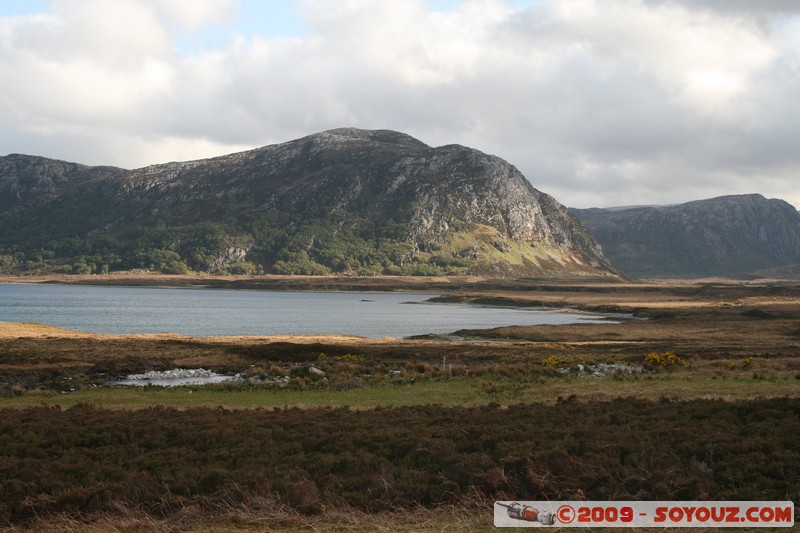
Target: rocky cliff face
{"points": [[27, 179], [344, 200], [725, 235]]}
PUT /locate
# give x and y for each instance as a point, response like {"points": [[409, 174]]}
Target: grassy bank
{"points": [[461, 391]]}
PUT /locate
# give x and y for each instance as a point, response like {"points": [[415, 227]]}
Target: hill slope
{"points": [[719, 236], [346, 200]]}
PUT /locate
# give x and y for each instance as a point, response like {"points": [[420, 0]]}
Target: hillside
{"points": [[341, 201], [720, 236]]}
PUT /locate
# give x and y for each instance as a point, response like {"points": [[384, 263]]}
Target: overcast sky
{"points": [[598, 103]]}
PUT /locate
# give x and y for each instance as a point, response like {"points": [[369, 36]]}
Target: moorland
{"points": [[696, 395]]}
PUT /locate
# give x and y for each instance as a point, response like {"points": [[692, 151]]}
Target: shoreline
{"points": [[721, 330], [345, 283], [269, 281], [617, 300]]}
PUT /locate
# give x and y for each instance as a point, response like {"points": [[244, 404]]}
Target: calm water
{"points": [[201, 312]]}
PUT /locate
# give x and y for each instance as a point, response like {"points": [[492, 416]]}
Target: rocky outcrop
{"points": [[342, 200], [27, 179], [228, 256], [719, 236]]}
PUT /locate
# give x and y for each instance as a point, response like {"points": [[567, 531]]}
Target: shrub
{"points": [[81, 268], [665, 360], [555, 361], [346, 358], [6, 261], [744, 364], [300, 264], [175, 267], [243, 268]]}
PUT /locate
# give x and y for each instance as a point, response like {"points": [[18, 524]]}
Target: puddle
{"points": [[176, 377], [602, 369]]}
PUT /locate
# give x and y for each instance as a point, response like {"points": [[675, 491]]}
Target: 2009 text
{"points": [[645, 514]]}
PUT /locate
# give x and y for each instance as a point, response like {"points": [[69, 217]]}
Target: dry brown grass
{"points": [[272, 515]]}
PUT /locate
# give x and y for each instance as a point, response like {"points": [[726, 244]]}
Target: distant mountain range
{"points": [[728, 235], [342, 201]]}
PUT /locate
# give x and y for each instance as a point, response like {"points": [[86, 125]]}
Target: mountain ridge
{"points": [[726, 235], [345, 200]]}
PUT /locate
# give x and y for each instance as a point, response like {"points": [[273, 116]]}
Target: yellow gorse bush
{"points": [[665, 360], [744, 363], [349, 357], [560, 362], [552, 362]]}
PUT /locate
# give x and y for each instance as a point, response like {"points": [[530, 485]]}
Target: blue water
{"points": [[203, 312]]}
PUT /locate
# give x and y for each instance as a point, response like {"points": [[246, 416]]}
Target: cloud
{"points": [[737, 7], [598, 103], [194, 14]]}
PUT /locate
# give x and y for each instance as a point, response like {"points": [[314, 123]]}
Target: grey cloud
{"points": [[590, 109], [753, 7]]}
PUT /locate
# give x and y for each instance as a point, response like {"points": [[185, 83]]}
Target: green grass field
{"points": [[457, 391]]}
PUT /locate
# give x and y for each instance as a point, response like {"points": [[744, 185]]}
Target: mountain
{"points": [[344, 201], [720, 236]]}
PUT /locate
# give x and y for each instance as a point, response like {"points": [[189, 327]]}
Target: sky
{"points": [[598, 103]]}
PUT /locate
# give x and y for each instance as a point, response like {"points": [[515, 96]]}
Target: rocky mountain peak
{"points": [[372, 136], [343, 200], [717, 236]]}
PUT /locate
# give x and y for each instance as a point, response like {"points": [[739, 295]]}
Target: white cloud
{"points": [[193, 14], [114, 34], [597, 102]]}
